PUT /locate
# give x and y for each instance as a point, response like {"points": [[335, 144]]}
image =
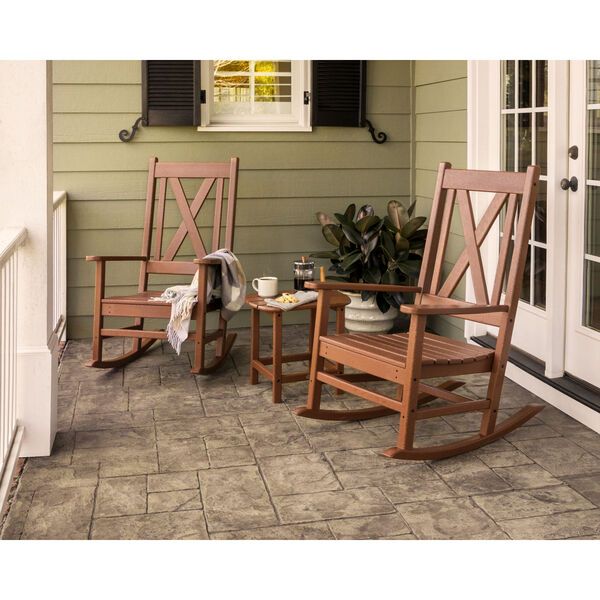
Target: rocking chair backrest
{"points": [[514, 191], [161, 253]]}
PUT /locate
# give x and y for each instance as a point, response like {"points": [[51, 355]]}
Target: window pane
{"points": [[539, 278], [541, 141], [526, 289], [541, 83], [509, 83], [591, 306], [592, 220], [525, 84], [524, 141], [232, 65], [593, 144], [593, 81], [509, 142], [539, 227]]}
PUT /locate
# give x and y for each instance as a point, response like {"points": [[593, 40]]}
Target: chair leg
{"points": [[98, 318], [489, 417], [406, 432], [220, 344], [254, 344], [277, 353], [136, 345]]}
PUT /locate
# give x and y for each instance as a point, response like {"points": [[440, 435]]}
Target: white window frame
{"points": [[298, 120]]}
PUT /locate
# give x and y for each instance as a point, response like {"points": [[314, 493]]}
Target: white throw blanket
{"points": [[228, 283]]}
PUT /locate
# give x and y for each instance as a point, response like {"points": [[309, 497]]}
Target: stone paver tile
{"points": [[588, 486], [184, 525], [372, 437], [45, 477], [62, 451], [119, 496], [65, 412], [298, 474], [231, 457], [243, 387], [305, 531], [17, 514], [378, 476], [266, 417], [535, 432], [191, 428], [170, 482], [174, 501], [361, 458], [182, 455], [471, 422], [554, 527], [274, 439], [450, 518], [313, 426], [532, 503], [157, 397], [560, 456], [236, 404], [526, 476], [226, 438], [415, 490], [468, 475], [133, 462], [505, 458], [588, 439], [369, 528], [60, 514], [116, 420], [102, 401], [142, 438], [321, 506], [430, 427], [405, 536], [235, 498], [141, 377], [559, 421], [184, 409]]}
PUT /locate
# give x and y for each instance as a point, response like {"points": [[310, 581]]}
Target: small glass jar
{"points": [[304, 271]]}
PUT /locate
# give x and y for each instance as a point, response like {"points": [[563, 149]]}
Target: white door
{"points": [[582, 343]]}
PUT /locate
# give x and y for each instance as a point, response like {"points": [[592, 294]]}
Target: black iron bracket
{"points": [[126, 136], [378, 138]]}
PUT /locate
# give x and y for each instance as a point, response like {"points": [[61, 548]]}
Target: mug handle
{"points": [[254, 284]]}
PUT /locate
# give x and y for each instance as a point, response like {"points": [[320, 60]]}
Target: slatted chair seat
{"points": [[393, 349], [145, 299], [408, 359]]}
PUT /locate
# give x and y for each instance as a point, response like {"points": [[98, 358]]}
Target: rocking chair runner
{"points": [[408, 359], [139, 306]]}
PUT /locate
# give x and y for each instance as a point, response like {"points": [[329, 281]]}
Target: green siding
{"points": [[440, 134], [284, 177]]}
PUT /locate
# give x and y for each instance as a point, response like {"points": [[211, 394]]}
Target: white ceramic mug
{"points": [[265, 286]]}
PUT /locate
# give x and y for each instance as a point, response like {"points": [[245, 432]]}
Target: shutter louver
{"points": [[171, 92], [338, 94]]}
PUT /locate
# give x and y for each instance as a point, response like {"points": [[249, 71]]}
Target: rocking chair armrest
{"points": [[444, 309], [359, 287], [107, 258], [207, 261]]}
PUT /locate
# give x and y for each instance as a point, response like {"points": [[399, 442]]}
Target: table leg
{"points": [[340, 327], [254, 344], [277, 352], [311, 328]]}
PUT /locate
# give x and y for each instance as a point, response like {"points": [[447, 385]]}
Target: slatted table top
{"points": [[255, 301]]}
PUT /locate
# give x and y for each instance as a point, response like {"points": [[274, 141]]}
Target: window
{"points": [[255, 95]]}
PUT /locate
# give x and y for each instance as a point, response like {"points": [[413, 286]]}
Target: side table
{"points": [[261, 365]]}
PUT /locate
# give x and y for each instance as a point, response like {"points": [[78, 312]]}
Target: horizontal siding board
{"points": [[434, 71], [97, 98], [97, 71], [389, 72], [388, 99], [429, 155], [269, 155], [441, 97], [441, 127]]}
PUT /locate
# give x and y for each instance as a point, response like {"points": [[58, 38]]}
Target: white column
{"points": [[26, 200]]}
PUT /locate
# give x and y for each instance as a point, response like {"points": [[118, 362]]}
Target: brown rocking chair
{"points": [[139, 306], [407, 359]]}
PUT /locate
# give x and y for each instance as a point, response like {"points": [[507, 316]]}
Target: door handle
{"points": [[569, 184]]}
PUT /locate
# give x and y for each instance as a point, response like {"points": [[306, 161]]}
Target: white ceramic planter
{"points": [[365, 316]]}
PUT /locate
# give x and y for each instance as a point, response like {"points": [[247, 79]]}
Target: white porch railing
{"points": [[10, 432], [59, 265]]}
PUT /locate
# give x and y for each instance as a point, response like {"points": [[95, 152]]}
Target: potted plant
{"points": [[370, 249]]}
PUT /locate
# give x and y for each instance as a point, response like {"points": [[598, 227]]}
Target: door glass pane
{"points": [[541, 83], [593, 81], [539, 278], [525, 84], [541, 141], [524, 140], [526, 287], [593, 149], [591, 308], [539, 227], [509, 83], [509, 142]]}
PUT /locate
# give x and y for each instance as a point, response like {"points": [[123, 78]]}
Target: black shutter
{"points": [[338, 92], [171, 92]]}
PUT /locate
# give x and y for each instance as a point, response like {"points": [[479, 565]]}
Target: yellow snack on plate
{"points": [[286, 298]]}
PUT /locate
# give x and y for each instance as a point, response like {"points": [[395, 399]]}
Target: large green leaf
{"points": [[350, 212], [365, 211], [333, 234], [397, 213], [411, 227], [367, 223], [349, 260], [324, 218], [401, 243], [410, 267], [351, 234]]}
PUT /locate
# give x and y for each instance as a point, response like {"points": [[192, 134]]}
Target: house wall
{"points": [[284, 177], [440, 134]]}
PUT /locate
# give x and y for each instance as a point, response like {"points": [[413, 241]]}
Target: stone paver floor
{"points": [[153, 452]]}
